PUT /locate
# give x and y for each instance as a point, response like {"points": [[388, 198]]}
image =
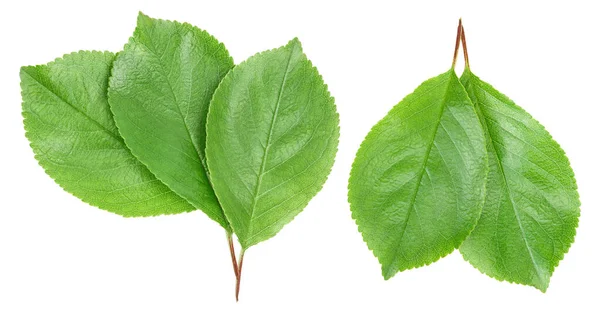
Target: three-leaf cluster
{"points": [[170, 125], [458, 164]]}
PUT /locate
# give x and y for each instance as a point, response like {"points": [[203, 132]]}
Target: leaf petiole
{"points": [[464, 45], [458, 39], [232, 253], [239, 275]]}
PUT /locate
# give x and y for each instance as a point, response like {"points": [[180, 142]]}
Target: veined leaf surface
{"points": [[417, 184], [272, 135], [531, 207], [159, 92], [72, 132]]}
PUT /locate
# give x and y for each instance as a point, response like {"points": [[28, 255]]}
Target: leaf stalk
{"points": [[464, 46], [458, 39], [239, 275], [232, 253]]}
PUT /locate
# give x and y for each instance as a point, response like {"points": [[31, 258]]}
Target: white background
{"points": [[60, 258]]}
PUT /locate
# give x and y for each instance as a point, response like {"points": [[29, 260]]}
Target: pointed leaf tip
{"points": [[49, 112], [295, 42], [142, 16]]}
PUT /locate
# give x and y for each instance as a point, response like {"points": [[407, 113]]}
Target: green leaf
{"points": [[272, 137], [72, 132], [159, 92], [531, 207], [417, 184]]}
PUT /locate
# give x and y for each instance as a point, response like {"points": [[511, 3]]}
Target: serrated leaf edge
{"points": [[330, 98], [578, 201], [125, 47], [360, 228], [36, 155]]}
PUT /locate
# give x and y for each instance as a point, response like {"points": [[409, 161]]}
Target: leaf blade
{"points": [[71, 130], [272, 135], [430, 145], [532, 194], [159, 92]]}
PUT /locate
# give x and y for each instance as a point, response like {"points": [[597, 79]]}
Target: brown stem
{"points": [[464, 45], [239, 276], [457, 45], [233, 259]]}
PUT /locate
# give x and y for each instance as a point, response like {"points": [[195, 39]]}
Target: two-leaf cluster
{"points": [[170, 125], [458, 164]]}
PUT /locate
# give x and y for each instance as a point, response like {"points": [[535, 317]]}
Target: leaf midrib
{"points": [[422, 171], [64, 100], [187, 130], [153, 53], [172, 91], [508, 191], [267, 144]]}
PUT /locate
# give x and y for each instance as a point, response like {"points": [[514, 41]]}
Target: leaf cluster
{"points": [[457, 164], [171, 125]]}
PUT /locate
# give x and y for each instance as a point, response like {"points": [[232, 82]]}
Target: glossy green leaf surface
{"points": [[417, 184], [272, 135], [159, 92], [72, 132], [531, 207]]}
